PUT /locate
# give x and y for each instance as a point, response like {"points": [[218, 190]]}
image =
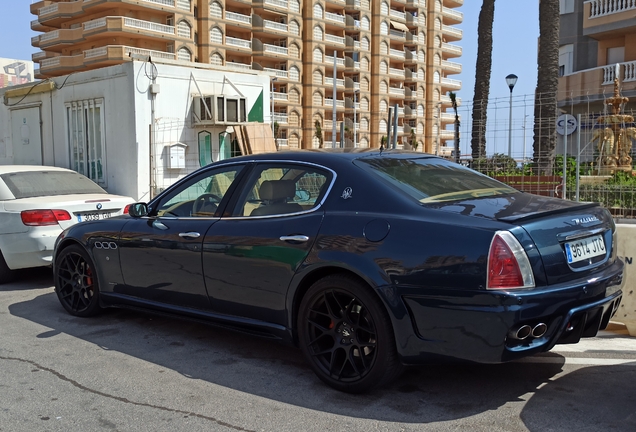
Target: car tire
{"points": [[346, 335], [76, 283], [6, 274]]}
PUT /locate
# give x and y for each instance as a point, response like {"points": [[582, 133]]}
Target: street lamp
{"points": [[511, 80], [355, 100]]}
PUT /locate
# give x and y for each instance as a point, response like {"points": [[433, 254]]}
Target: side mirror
{"points": [[138, 210]]}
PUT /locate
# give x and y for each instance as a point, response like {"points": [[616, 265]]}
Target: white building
{"points": [[99, 122]]}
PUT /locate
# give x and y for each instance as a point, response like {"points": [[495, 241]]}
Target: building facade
{"points": [[597, 44], [343, 60]]}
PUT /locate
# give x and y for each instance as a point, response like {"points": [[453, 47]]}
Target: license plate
{"points": [[583, 249], [85, 217]]}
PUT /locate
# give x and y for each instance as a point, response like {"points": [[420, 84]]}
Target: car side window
{"points": [[282, 189], [201, 196]]}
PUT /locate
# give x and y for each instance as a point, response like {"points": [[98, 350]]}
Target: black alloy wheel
{"points": [[76, 282], [346, 335]]}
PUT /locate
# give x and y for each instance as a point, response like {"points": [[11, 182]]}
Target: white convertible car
{"points": [[37, 203]]}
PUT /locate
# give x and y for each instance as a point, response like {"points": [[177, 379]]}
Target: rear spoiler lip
{"points": [[529, 216]]}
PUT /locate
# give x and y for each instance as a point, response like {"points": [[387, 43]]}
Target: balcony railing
{"points": [[279, 3], [448, 82], [398, 15], [454, 31], [35, 40], [280, 118], [329, 81], [169, 3], [90, 25], [50, 62], [445, 99], [232, 41], [599, 8], [335, 17], [452, 14], [329, 102], [334, 39], [150, 53], [280, 96], [268, 48], [452, 66], [52, 8], [238, 66], [95, 52], [273, 25], [38, 55], [277, 72], [396, 91], [397, 72], [148, 25], [233, 16], [339, 61], [455, 49], [397, 33], [49, 36], [397, 53]]}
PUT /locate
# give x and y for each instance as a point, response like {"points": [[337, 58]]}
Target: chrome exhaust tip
{"points": [[521, 333], [539, 330]]}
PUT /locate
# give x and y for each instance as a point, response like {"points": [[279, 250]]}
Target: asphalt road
{"points": [[126, 371]]}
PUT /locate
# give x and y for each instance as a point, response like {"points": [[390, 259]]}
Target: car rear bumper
{"points": [[481, 326], [31, 249]]}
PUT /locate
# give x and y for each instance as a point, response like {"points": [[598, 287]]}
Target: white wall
{"points": [[127, 118]]}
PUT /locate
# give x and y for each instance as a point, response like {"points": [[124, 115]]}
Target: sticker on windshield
{"points": [[347, 193]]}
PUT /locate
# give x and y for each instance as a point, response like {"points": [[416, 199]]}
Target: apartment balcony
{"points": [[278, 73], [335, 18], [397, 34], [351, 65], [56, 40], [60, 64], [451, 84], [397, 53], [36, 25], [53, 15], [114, 54], [397, 15], [596, 83], [281, 118], [453, 3], [447, 134], [450, 16], [452, 33], [352, 4], [40, 55], [608, 17], [328, 81], [352, 25], [451, 67], [273, 5], [169, 7], [271, 28], [237, 18], [239, 43], [447, 117], [446, 100], [397, 72], [339, 61], [351, 85], [413, 76], [236, 66], [451, 50], [395, 91], [35, 41], [127, 27], [334, 40], [352, 43], [329, 103]]}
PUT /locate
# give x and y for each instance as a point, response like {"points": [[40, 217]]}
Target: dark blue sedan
{"points": [[367, 260]]}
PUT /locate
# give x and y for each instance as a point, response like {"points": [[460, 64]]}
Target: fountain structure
{"points": [[614, 139]]}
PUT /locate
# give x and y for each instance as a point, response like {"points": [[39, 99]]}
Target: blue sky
{"points": [[515, 34]]}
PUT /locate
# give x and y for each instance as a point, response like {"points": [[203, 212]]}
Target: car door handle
{"points": [[296, 238], [190, 235]]}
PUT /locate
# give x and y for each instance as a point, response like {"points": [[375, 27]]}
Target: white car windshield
{"points": [[31, 184]]}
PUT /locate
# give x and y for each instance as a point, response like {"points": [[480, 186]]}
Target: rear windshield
{"points": [[47, 183], [432, 180]]}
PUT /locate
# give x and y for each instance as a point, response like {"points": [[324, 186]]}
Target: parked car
{"points": [[367, 260], [37, 203]]}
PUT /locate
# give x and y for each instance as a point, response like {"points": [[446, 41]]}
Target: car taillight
{"points": [[126, 208], [508, 264], [44, 217]]}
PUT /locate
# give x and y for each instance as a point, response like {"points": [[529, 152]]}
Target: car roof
{"points": [[328, 154], [5, 169]]}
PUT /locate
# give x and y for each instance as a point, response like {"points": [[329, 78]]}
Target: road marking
{"points": [[578, 361]]}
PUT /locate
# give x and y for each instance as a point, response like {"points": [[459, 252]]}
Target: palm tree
{"points": [[453, 98], [545, 98], [482, 78]]}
